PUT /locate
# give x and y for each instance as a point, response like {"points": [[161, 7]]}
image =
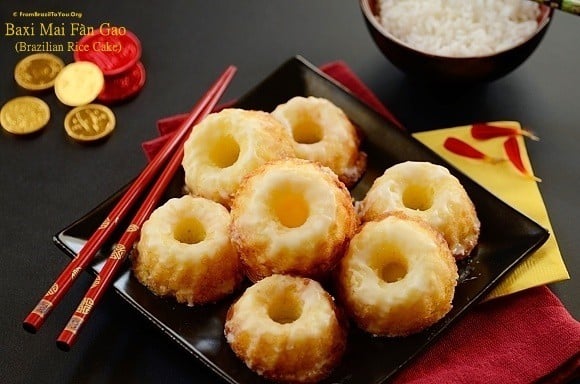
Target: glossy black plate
{"points": [[506, 238]]}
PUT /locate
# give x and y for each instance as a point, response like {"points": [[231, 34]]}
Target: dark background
{"points": [[49, 181]]}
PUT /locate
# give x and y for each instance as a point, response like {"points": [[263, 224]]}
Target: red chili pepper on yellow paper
{"points": [[482, 131], [461, 148], [512, 150]]}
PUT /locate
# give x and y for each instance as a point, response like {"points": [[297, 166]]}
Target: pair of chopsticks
{"points": [[172, 151]]}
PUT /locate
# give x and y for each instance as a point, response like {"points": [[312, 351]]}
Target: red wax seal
{"points": [[112, 51], [124, 85]]}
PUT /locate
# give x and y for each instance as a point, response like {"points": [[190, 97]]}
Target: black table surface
{"points": [[48, 181]]}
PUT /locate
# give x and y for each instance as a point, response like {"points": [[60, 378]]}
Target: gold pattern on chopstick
{"points": [[133, 228], [118, 252], [105, 223], [73, 324], [96, 282], [42, 307], [53, 289], [75, 272], [85, 306]]}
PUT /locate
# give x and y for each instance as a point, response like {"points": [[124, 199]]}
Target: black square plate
{"points": [[506, 238]]}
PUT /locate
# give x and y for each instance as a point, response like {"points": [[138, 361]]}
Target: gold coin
{"points": [[79, 83], [38, 71], [89, 122], [24, 115]]}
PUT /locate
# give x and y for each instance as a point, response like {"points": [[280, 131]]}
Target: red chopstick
{"points": [[64, 281], [115, 260]]}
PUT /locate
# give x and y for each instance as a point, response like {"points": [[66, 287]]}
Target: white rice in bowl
{"points": [[460, 28]]}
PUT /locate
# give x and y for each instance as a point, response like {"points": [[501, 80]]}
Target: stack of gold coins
{"points": [[76, 85], [110, 76]]}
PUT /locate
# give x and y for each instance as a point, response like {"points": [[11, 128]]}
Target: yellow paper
{"points": [[522, 193]]}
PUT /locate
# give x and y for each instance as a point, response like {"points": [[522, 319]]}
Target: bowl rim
{"points": [[547, 13]]}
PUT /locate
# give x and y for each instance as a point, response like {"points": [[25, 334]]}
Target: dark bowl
{"points": [[454, 70]]}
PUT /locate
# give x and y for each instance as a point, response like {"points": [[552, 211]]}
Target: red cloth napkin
{"points": [[521, 338]]}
